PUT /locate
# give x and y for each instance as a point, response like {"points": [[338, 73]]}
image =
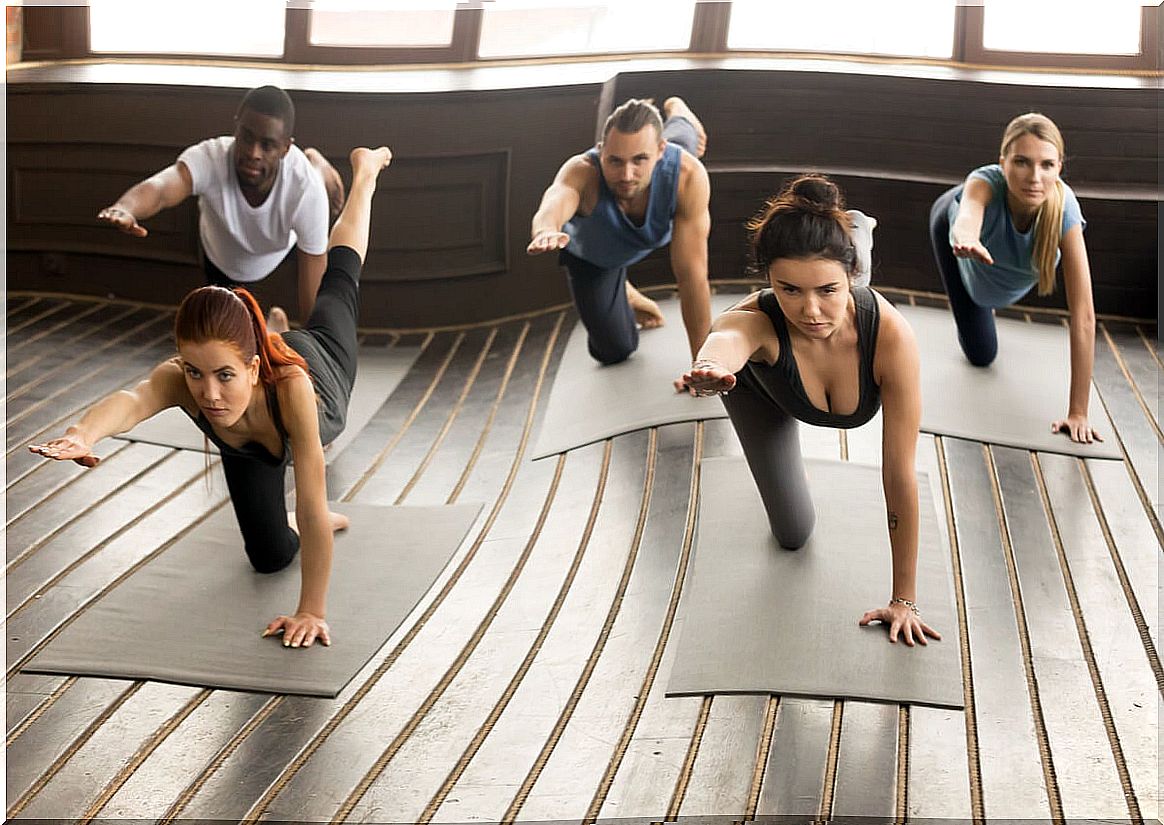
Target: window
{"points": [[919, 28], [1062, 26], [389, 24], [212, 27], [512, 28]]}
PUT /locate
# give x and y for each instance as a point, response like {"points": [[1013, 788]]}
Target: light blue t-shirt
{"points": [[1012, 275]]}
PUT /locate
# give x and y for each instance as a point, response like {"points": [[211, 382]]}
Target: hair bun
{"points": [[816, 194]]}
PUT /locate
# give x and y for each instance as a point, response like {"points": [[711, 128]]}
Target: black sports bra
{"points": [[780, 383]]}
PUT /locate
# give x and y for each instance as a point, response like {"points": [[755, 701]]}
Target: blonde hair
{"points": [[1049, 218]]}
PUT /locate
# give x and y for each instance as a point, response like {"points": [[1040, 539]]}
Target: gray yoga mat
{"points": [[380, 371], [760, 619], [194, 614], [590, 402], [1013, 401]]}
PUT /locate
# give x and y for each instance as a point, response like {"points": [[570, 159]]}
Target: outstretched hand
{"points": [[972, 249], [68, 447], [902, 621], [705, 378], [300, 630], [1077, 428], [120, 219], [547, 240]]}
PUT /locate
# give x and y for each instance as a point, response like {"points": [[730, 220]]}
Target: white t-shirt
{"points": [[247, 242]]}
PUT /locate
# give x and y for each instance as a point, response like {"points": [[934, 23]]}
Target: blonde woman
{"points": [[1004, 231]]}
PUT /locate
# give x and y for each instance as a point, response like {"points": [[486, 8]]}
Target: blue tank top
{"points": [[609, 239], [781, 385]]}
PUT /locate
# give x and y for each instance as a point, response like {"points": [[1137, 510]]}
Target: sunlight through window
{"points": [[1062, 26], [211, 27], [919, 28], [385, 23], [558, 27]]}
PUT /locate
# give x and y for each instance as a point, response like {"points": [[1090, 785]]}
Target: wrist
{"points": [[910, 603]]}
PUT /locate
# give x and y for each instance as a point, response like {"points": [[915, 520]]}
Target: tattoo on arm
{"points": [[892, 520]]}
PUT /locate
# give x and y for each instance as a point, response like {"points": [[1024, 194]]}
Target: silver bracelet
{"points": [[911, 605]]}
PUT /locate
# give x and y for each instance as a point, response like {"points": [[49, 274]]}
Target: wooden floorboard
{"points": [[528, 683]]}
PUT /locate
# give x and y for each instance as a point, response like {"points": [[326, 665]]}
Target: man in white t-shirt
{"points": [[258, 196]]}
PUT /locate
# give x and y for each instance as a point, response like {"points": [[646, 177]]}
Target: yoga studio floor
{"points": [[528, 683]]}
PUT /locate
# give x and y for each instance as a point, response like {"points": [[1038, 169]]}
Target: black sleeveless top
{"points": [[252, 449], [332, 392], [780, 383]]}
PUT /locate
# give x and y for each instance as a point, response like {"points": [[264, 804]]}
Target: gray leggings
{"points": [[772, 447]]}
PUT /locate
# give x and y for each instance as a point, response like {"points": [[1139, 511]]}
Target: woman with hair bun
{"points": [[814, 348], [263, 397], [1004, 231]]}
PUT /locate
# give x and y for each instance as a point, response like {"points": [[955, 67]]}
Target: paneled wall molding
{"points": [[451, 222]]}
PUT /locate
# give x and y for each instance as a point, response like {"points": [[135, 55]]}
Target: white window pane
{"points": [[390, 23], [552, 27], [254, 27], [918, 28], [1063, 26]]}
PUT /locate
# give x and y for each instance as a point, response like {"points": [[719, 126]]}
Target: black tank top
{"points": [[252, 449], [781, 385]]}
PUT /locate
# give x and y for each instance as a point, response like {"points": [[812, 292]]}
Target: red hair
{"points": [[233, 316]]}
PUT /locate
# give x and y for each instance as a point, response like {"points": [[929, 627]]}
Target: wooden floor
{"points": [[528, 683]]}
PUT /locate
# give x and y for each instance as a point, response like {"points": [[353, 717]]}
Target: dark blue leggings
{"points": [[976, 330], [600, 298]]}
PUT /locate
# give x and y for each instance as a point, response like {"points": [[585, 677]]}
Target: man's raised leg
{"points": [[677, 108]]}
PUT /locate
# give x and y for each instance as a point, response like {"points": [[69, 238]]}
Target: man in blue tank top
{"points": [[641, 188]]}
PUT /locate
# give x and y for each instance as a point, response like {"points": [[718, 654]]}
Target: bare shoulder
{"points": [[744, 313], [578, 171], [896, 343], [169, 379], [298, 406], [694, 183]]}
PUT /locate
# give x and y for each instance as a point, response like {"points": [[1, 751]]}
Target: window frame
{"points": [[62, 33]]}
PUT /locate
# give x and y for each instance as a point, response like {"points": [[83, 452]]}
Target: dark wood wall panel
{"points": [[452, 220], [56, 190], [937, 126]]}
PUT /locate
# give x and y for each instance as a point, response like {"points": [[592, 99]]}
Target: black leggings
{"points": [[328, 341], [976, 330], [772, 447]]}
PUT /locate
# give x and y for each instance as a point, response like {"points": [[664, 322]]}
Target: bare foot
{"points": [[277, 320], [676, 107], [647, 312], [336, 521], [370, 160], [332, 182]]}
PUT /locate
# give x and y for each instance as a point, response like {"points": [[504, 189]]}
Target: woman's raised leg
{"points": [[351, 227]]}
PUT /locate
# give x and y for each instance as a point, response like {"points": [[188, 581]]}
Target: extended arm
{"points": [[1077, 282], [311, 269], [689, 252], [142, 201], [899, 371], [735, 336], [967, 227], [117, 413], [559, 203]]}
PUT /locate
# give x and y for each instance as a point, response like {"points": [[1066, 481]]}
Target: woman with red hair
{"points": [[262, 398]]}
